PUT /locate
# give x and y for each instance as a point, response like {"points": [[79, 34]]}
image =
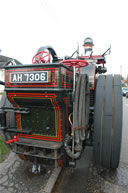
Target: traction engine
{"points": [[53, 108]]}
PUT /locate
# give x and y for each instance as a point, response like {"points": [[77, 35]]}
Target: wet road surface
{"points": [[108, 181], [76, 180], [16, 176], [86, 178]]}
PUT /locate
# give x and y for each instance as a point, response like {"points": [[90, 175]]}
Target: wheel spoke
{"points": [[41, 57]]}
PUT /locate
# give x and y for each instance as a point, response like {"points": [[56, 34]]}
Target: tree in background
{"points": [[124, 81]]}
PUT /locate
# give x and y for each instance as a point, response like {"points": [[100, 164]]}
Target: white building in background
{"points": [[3, 61]]}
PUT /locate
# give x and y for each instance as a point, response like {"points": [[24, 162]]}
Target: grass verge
{"points": [[4, 150]]}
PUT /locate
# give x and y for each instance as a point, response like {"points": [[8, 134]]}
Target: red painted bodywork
{"points": [[11, 97], [65, 99], [100, 57], [20, 85], [67, 74]]}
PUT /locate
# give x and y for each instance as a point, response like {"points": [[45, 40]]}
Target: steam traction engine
{"points": [[51, 110]]}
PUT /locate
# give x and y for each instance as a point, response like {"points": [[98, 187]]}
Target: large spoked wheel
{"points": [[41, 57], [75, 62], [10, 120], [108, 121]]}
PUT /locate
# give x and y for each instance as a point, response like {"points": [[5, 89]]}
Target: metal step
{"points": [[40, 155], [40, 144]]}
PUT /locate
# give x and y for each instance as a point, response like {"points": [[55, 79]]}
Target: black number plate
{"points": [[29, 77]]}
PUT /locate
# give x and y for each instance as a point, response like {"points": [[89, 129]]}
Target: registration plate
{"points": [[29, 77]]}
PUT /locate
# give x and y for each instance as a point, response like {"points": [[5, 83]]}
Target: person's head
{"points": [[88, 44]]}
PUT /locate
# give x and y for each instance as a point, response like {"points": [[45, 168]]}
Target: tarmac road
{"points": [[124, 152], [86, 178], [108, 181], [76, 180], [16, 176]]}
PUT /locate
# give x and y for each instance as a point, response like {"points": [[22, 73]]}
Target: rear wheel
{"points": [[108, 121]]}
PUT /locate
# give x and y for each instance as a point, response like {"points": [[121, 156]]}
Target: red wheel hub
{"points": [[41, 57], [75, 62]]}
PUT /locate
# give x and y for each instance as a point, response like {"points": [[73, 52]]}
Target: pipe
{"points": [[82, 105], [75, 110], [67, 143], [80, 118]]}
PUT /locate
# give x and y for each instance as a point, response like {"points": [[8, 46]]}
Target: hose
{"points": [[82, 106], [86, 104], [75, 110], [80, 117], [67, 143]]}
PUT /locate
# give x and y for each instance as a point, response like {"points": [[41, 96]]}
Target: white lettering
{"points": [[31, 77], [14, 78], [19, 77], [42, 76], [37, 77]]}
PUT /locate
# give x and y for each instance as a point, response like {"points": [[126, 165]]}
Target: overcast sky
{"points": [[26, 25]]}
